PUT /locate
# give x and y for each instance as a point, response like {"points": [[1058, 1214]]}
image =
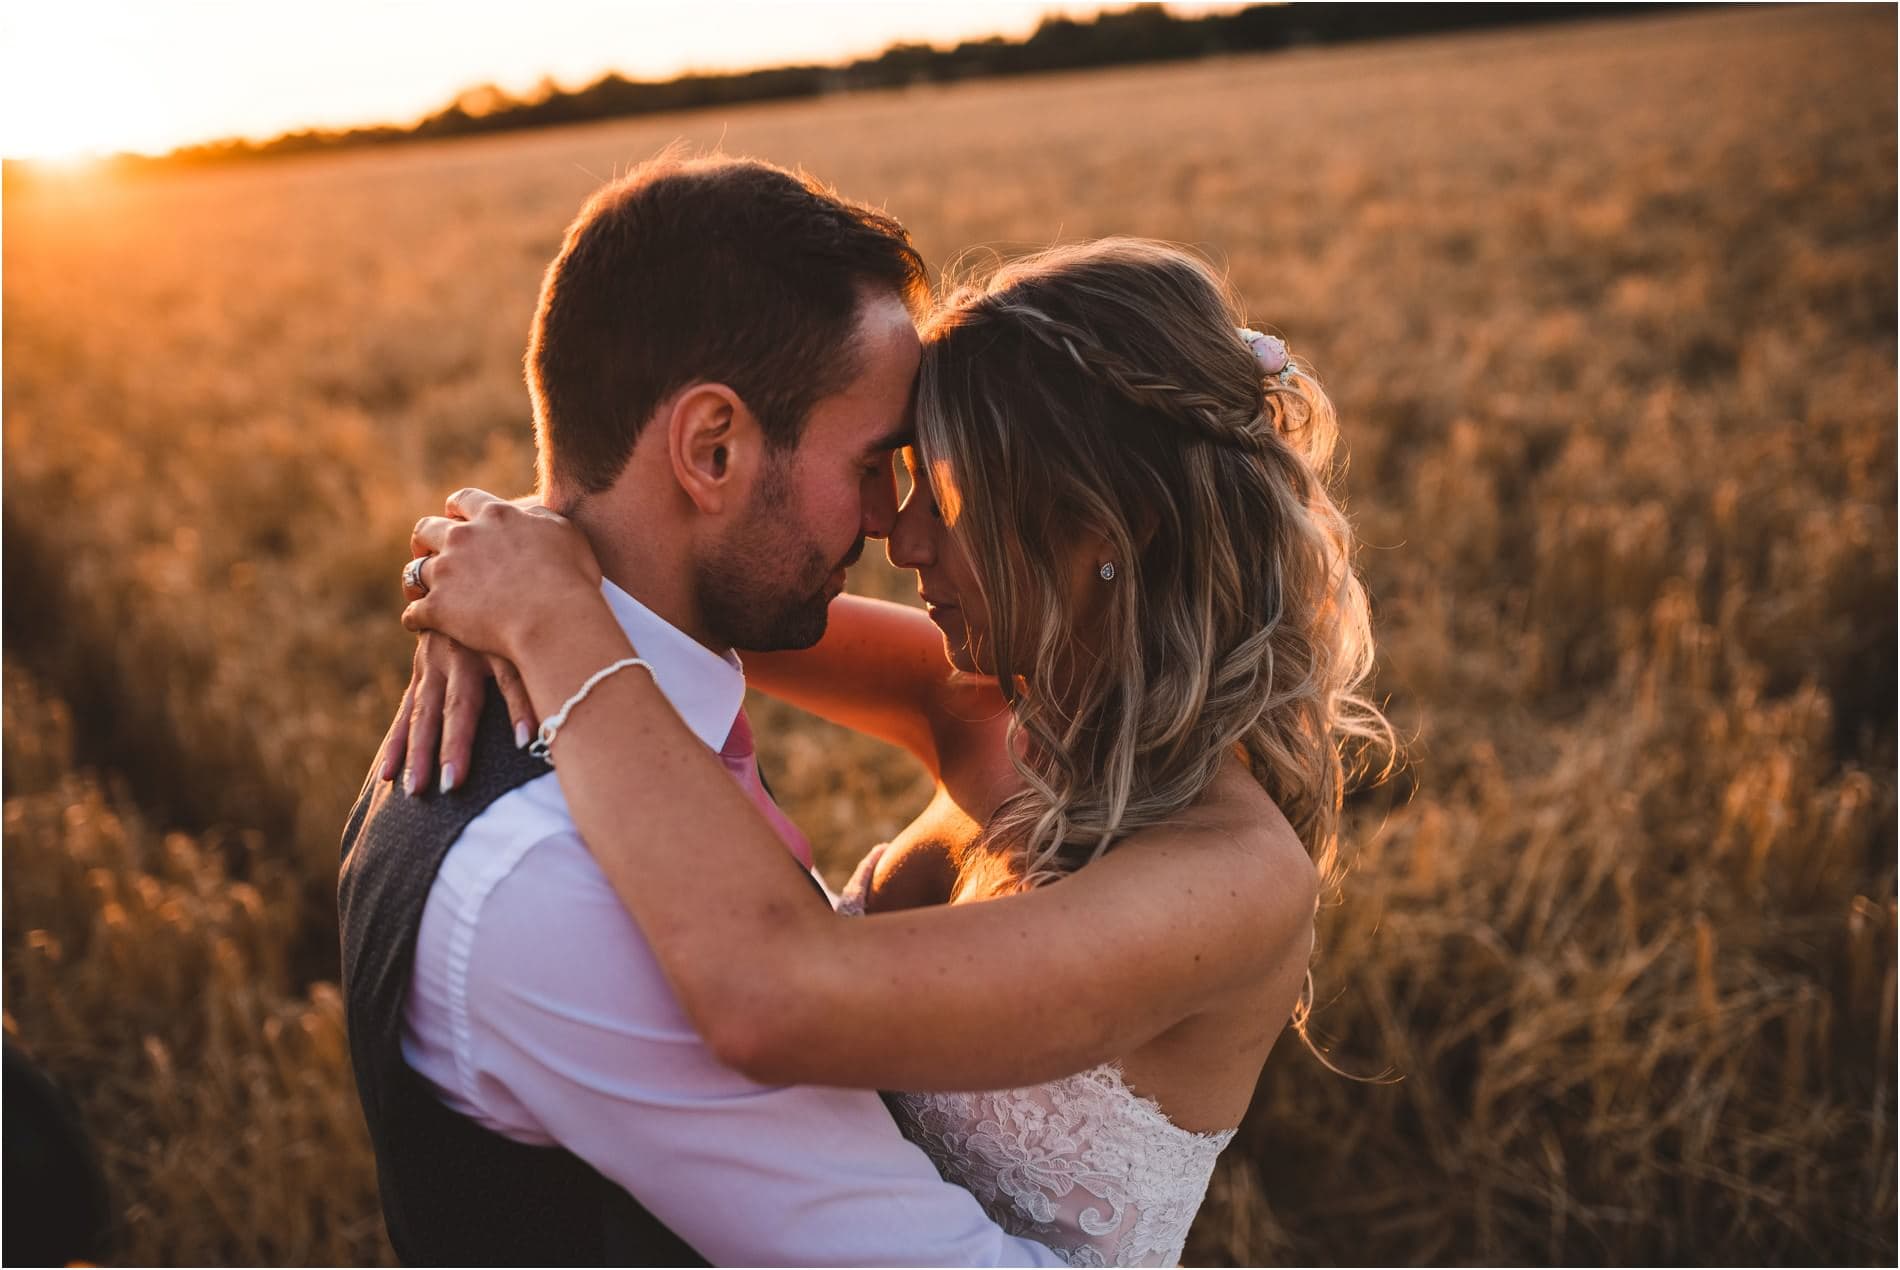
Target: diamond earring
{"points": [[1108, 571]]}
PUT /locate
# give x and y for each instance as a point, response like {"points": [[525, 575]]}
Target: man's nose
{"points": [[880, 506]]}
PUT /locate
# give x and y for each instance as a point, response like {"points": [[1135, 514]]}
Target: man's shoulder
{"points": [[524, 953], [528, 823], [523, 857], [519, 912]]}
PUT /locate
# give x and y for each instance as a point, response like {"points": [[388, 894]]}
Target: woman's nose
{"points": [[909, 544]]}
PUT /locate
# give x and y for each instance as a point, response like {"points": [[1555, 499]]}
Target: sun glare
{"points": [[84, 78], [57, 106], [72, 143]]}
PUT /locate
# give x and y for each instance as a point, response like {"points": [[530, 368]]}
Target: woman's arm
{"points": [[880, 670], [988, 995]]}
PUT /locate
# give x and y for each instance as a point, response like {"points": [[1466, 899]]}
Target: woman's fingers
{"points": [[414, 584], [493, 579], [515, 693], [425, 719], [466, 680], [441, 709], [429, 535], [435, 729], [389, 758], [464, 503]]}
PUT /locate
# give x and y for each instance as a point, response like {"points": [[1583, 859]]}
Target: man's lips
{"points": [[834, 584]]}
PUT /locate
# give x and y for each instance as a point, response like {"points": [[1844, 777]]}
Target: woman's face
{"points": [[921, 540]]}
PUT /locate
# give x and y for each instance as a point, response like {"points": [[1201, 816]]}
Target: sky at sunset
{"points": [[95, 76]]}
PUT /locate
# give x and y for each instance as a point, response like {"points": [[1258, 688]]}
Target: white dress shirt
{"points": [[537, 1010]]}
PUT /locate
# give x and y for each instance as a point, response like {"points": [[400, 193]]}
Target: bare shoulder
{"points": [[1235, 859], [1237, 809], [911, 875]]}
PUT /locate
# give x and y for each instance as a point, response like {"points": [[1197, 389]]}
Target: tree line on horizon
{"points": [[1139, 34]]}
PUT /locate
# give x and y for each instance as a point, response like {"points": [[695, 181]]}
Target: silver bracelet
{"points": [[543, 745]]}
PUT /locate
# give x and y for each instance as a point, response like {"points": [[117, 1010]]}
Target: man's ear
{"points": [[714, 444]]}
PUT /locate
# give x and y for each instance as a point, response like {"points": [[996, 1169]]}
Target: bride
{"points": [[1136, 684]]}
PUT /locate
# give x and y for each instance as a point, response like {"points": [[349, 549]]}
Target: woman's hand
{"points": [[495, 575], [444, 700]]}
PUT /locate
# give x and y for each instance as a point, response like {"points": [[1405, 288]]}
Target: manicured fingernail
{"points": [[409, 784], [448, 777], [521, 736], [388, 772]]}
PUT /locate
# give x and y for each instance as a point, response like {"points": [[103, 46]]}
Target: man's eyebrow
{"points": [[904, 434]]}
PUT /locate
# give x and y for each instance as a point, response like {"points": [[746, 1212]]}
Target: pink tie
{"points": [[742, 760]]}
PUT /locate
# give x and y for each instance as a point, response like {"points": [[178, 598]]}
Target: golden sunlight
{"points": [[97, 76], [73, 87]]}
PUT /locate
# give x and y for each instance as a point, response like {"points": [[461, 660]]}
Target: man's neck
{"points": [[639, 562]]}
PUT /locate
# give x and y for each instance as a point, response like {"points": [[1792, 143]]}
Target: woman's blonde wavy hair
{"points": [[1103, 388]]}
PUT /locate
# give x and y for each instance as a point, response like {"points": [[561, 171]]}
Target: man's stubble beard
{"points": [[752, 591]]}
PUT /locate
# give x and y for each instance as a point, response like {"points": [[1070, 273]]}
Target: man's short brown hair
{"points": [[686, 270]]}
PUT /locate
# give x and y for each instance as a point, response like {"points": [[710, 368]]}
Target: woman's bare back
{"points": [[1202, 1070]]}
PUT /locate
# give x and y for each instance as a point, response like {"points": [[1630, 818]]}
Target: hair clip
{"points": [[1270, 352]]}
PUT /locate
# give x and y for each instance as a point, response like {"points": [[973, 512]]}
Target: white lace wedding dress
{"points": [[1083, 1164]]}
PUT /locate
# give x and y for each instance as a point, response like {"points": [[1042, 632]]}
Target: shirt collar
{"points": [[707, 688]]}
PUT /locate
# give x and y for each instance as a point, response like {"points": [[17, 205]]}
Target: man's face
{"points": [[771, 578]]}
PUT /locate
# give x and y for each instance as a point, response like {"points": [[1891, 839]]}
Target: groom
{"points": [[721, 365]]}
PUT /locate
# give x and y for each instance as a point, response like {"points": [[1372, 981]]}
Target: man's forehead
{"points": [[874, 410], [885, 320], [861, 422]]}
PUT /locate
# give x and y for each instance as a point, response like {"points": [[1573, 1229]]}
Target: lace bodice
{"points": [[1083, 1164]]}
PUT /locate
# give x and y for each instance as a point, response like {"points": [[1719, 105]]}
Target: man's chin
{"points": [[790, 631]]}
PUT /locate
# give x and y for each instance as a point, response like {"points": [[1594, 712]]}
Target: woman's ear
{"points": [[1101, 545], [714, 444], [1142, 526]]}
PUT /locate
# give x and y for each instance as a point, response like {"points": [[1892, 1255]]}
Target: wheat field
{"points": [[1608, 311]]}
